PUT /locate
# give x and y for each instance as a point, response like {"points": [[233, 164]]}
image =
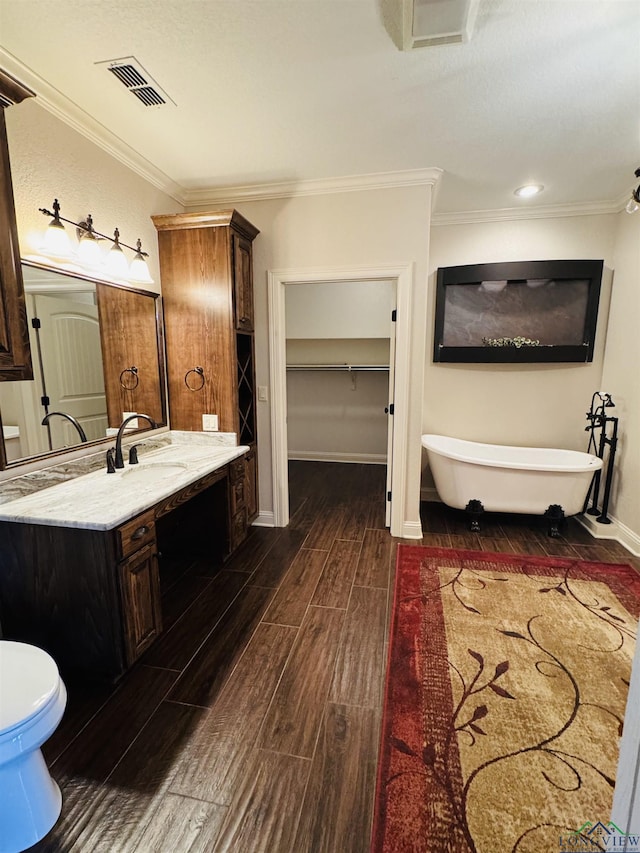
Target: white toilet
{"points": [[32, 702]]}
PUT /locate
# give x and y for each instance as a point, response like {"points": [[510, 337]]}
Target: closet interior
{"points": [[339, 351]]}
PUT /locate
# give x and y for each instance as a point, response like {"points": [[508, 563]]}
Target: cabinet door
{"points": [[251, 484], [243, 283], [140, 588], [15, 353], [198, 308]]}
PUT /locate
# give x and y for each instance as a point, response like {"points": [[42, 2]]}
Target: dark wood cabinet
{"points": [[92, 598], [15, 352], [251, 480], [140, 591], [243, 283], [139, 581], [207, 291]]}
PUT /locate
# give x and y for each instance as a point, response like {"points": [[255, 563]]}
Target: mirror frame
{"points": [[160, 351]]}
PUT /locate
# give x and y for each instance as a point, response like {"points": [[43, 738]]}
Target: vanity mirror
{"points": [[98, 355]]}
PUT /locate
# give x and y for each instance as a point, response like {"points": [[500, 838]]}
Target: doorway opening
{"points": [[395, 280]]}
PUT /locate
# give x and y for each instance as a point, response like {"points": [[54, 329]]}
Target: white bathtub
{"points": [[509, 479]]}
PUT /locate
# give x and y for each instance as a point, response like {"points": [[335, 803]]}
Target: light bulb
{"points": [[528, 190], [139, 271], [116, 262], [89, 252], [632, 204], [56, 240]]}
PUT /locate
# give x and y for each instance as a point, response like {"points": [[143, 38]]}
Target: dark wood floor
{"points": [[252, 724]]}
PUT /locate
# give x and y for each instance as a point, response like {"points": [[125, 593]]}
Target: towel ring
{"points": [[132, 383], [200, 372]]}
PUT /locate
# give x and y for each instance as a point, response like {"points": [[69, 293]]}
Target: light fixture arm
{"points": [[87, 227]]}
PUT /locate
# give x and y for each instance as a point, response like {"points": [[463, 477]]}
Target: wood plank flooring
{"points": [[253, 723]]}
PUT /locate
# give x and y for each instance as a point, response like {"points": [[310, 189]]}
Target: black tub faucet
{"points": [[119, 462]]}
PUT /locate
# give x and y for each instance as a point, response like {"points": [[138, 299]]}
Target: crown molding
{"points": [[510, 214], [64, 109], [317, 186]]}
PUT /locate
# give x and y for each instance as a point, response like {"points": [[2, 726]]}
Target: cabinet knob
{"points": [[140, 532]]}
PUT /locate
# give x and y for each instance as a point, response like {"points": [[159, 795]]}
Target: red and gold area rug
{"points": [[506, 688]]}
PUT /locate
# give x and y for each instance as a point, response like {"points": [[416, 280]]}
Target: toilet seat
{"points": [[30, 685]]}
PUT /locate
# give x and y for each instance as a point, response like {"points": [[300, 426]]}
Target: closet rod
{"points": [[347, 367]]}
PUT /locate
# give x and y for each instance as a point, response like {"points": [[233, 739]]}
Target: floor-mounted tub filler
{"points": [[500, 478]]}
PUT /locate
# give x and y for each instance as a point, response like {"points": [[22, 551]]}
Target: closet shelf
{"points": [[347, 367]]}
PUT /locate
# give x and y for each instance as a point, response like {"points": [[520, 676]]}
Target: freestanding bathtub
{"points": [[501, 478]]}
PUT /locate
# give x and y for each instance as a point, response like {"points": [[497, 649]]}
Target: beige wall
{"points": [[349, 229], [621, 368], [337, 416], [536, 404], [545, 405], [51, 160]]}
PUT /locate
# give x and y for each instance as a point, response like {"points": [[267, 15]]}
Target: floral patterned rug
{"points": [[506, 688]]}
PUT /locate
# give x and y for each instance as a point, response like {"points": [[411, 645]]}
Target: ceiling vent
{"points": [[427, 23], [136, 80]]}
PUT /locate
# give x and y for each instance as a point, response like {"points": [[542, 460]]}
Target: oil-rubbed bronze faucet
{"points": [[119, 462], [81, 432]]}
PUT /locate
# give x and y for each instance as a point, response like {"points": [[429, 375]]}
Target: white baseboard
{"points": [[335, 456], [616, 530], [411, 530], [264, 519]]}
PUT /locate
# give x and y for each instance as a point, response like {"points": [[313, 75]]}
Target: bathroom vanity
{"points": [[81, 562]]}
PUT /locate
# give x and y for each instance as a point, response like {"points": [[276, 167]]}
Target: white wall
{"points": [[344, 309]]}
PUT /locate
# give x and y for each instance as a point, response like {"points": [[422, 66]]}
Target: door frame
{"points": [[402, 276]]}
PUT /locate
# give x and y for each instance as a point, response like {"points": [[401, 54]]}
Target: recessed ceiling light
{"points": [[528, 190]]}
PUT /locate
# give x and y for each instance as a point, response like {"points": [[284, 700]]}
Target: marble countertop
{"points": [[101, 501]]}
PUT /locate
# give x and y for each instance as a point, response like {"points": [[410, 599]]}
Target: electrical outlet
{"points": [[132, 424], [210, 423]]}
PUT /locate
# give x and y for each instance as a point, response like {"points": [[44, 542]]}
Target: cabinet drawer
{"points": [[236, 470], [136, 533]]}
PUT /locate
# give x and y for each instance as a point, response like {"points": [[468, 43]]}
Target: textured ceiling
{"points": [[296, 90]]}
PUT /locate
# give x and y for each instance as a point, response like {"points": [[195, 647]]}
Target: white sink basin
{"points": [[152, 472]]}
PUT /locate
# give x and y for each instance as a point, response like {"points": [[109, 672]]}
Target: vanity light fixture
{"points": [[56, 239], [116, 262], [88, 254], [528, 190], [88, 250], [634, 202], [139, 271]]}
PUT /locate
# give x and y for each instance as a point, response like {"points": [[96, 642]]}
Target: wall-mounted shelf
{"points": [[347, 367]]}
